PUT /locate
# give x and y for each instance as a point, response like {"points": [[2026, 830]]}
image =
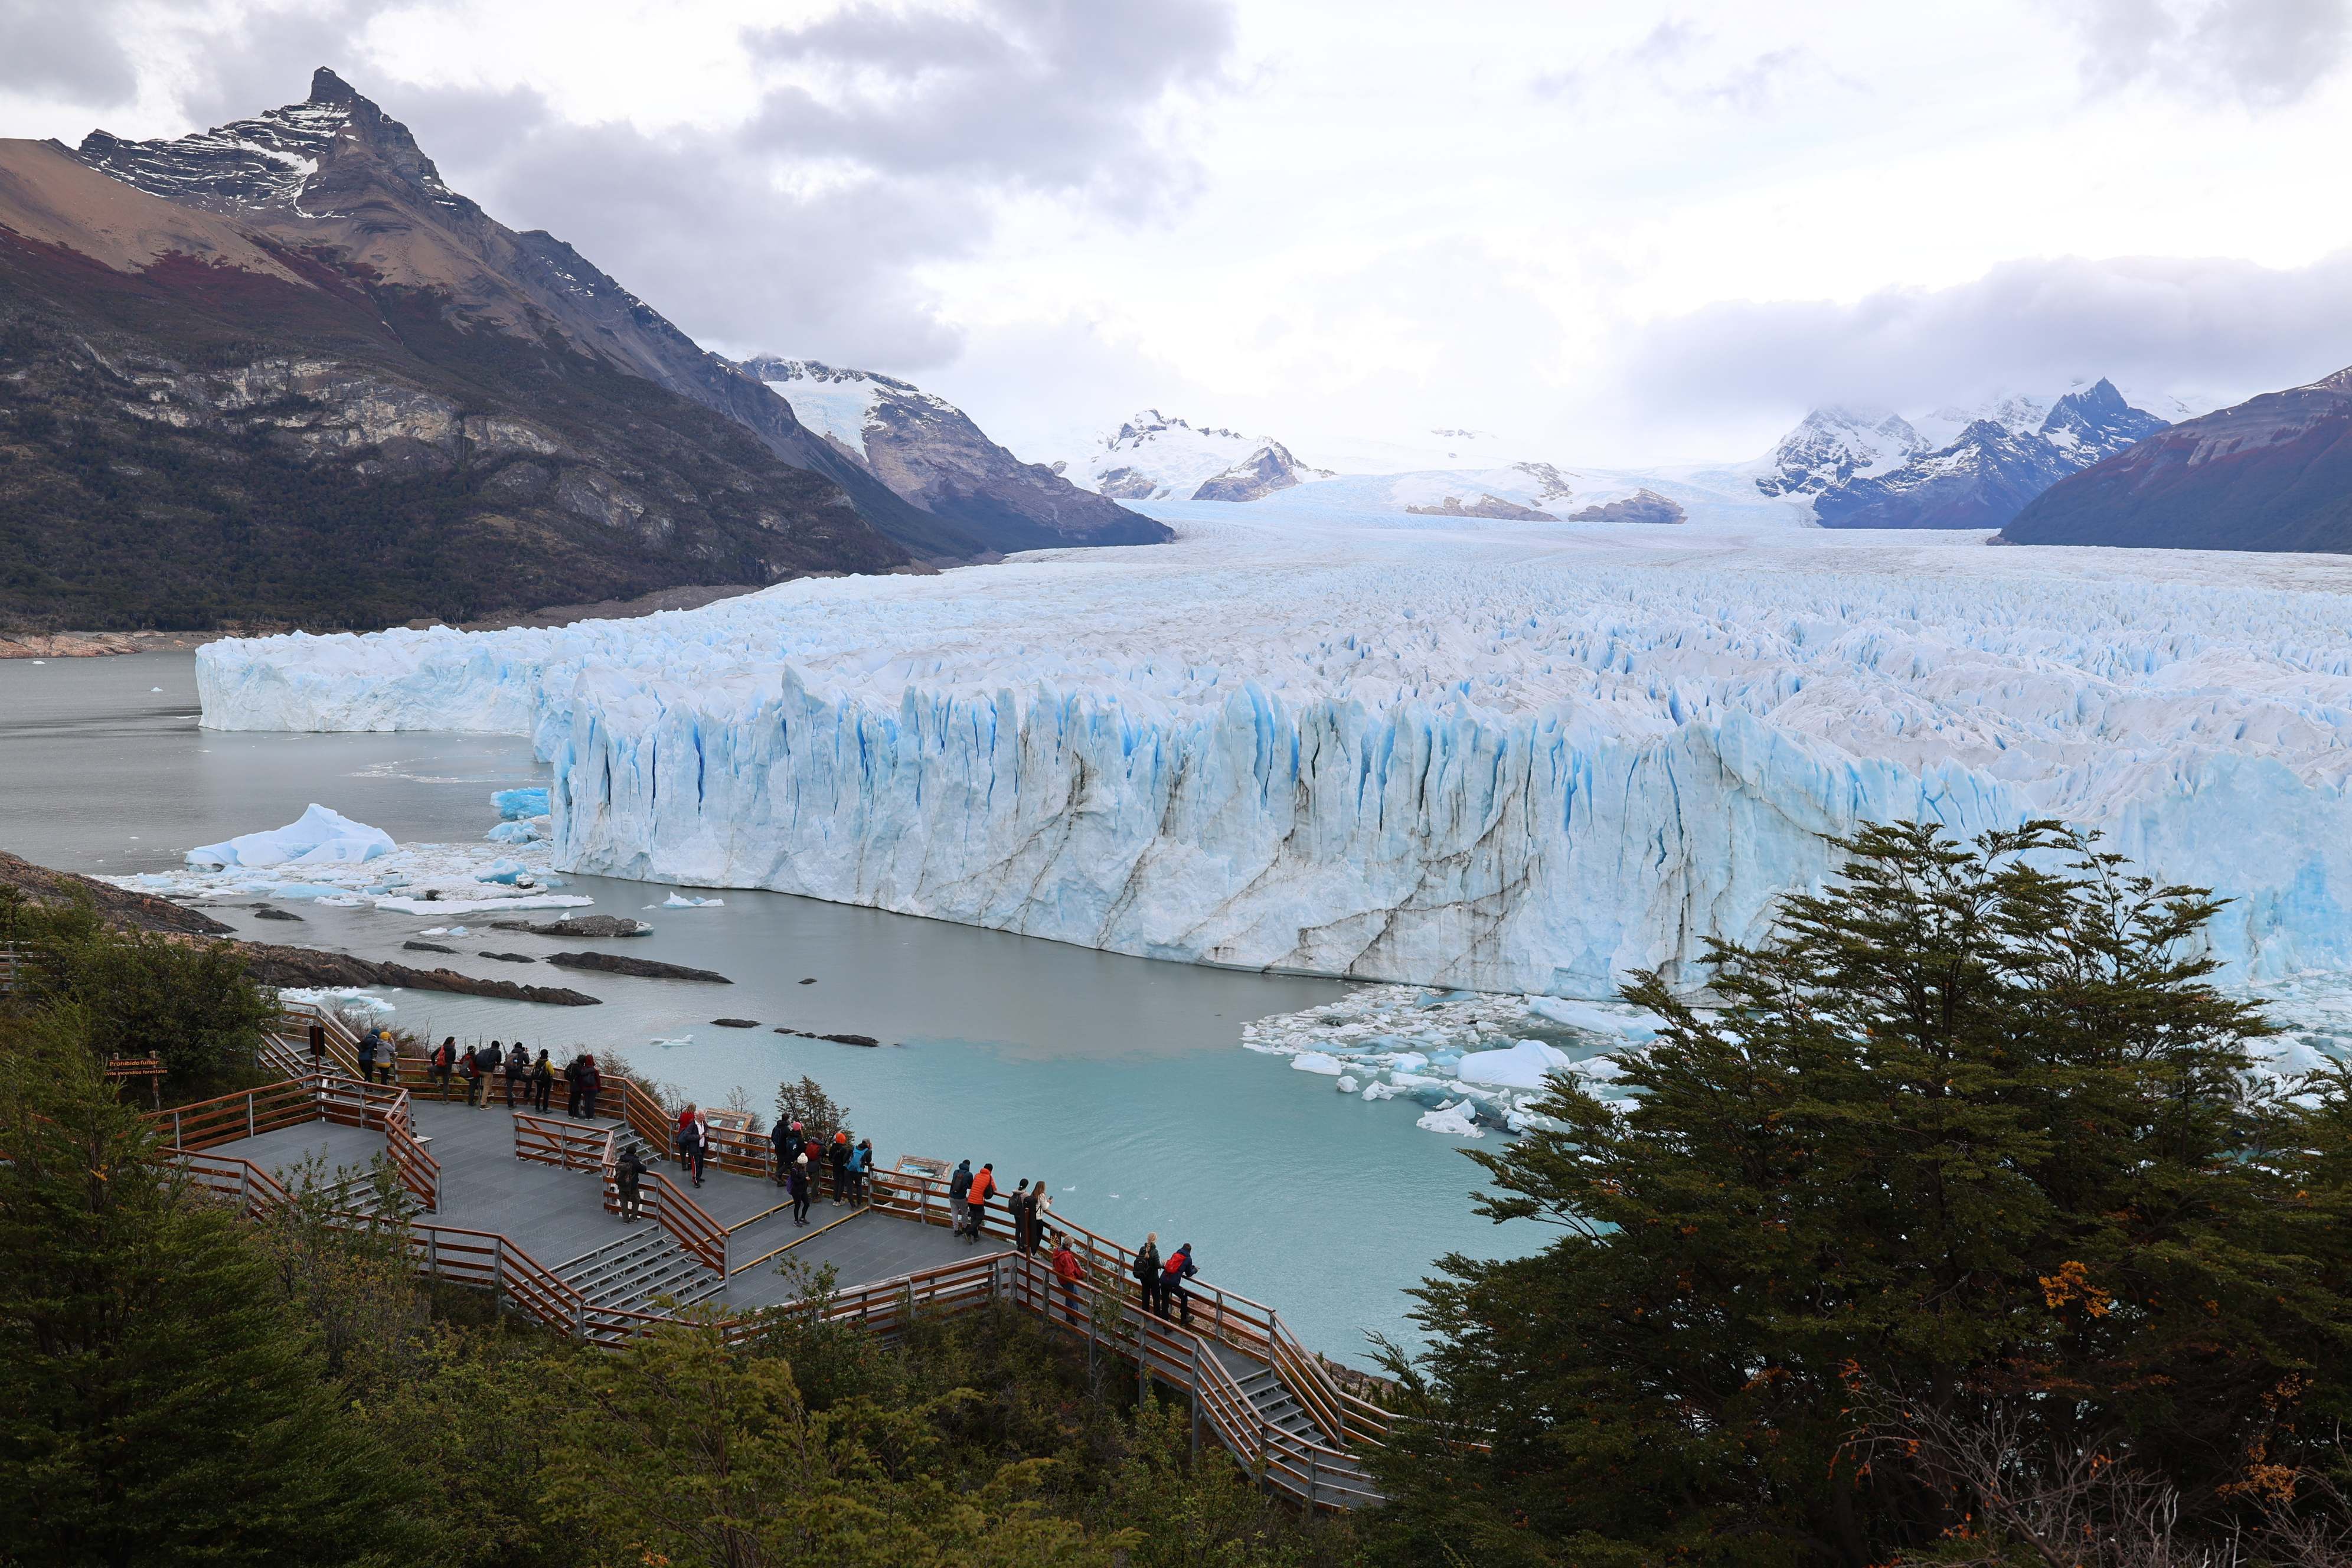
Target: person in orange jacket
{"points": [[982, 1183]]}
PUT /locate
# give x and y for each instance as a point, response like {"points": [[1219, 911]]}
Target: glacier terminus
{"points": [[1432, 751]]}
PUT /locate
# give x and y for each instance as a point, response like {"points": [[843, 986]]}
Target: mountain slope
{"points": [[931, 453], [2272, 473], [1953, 468], [199, 423], [336, 177]]}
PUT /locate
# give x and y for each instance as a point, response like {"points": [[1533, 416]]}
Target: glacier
{"points": [[1496, 757]]}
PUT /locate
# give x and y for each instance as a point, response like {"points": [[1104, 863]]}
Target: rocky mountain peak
{"points": [[326, 87], [331, 153]]}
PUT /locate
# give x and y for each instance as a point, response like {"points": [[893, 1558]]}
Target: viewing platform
{"points": [[493, 1195]]}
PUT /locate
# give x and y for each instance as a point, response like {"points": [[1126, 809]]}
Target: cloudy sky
{"points": [[1612, 233]]}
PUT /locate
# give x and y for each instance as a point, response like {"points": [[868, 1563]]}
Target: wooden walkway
{"points": [[524, 1203]]}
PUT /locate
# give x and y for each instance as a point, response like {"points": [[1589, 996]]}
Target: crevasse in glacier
{"points": [[1504, 758]]}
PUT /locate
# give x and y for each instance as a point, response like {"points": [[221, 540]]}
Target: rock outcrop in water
{"points": [[644, 968]]}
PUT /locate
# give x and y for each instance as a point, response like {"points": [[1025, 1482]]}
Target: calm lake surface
{"points": [[1118, 1081]]}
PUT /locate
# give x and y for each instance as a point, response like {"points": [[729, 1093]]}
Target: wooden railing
{"points": [[247, 1113], [554, 1140], [1235, 1320]]}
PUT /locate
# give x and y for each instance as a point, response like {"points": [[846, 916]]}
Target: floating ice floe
{"points": [[1316, 1061], [520, 805], [319, 837], [528, 830], [1522, 1065], [1453, 1120], [327, 858], [681, 901]]}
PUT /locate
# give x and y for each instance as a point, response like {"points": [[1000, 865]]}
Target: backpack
{"points": [[1146, 1262]]}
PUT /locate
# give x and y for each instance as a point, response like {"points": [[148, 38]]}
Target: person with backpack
{"points": [[861, 1166], [592, 1083], [470, 1065], [1147, 1275], [960, 1197], [387, 1058], [1173, 1276], [976, 1201], [796, 1183], [837, 1157], [628, 1171], [542, 1082], [518, 1074], [1017, 1209], [442, 1063], [367, 1056], [786, 1141], [1067, 1271]]}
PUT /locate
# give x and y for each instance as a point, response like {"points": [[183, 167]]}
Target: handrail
{"points": [[702, 1237], [419, 1170], [554, 1140]]}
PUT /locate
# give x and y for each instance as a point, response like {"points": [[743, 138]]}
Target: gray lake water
{"points": [[1118, 1081]]}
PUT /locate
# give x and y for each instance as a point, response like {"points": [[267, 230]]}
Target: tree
{"points": [[191, 1004], [157, 1405], [1971, 1126], [807, 1103]]}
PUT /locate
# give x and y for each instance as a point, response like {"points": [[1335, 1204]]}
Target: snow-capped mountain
{"points": [[929, 451], [1953, 467], [1834, 445], [1156, 456]]}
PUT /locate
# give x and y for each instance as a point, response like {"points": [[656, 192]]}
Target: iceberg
{"points": [[519, 804], [1523, 1066], [1486, 757], [319, 837]]}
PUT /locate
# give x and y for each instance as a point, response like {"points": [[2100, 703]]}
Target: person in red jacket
{"points": [[1067, 1270], [982, 1183]]}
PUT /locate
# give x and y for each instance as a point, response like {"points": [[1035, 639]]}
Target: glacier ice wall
{"points": [[1502, 758]]}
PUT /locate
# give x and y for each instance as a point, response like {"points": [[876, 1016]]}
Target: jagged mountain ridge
{"points": [[1875, 469], [202, 423], [2272, 473], [337, 177], [930, 452], [1159, 456]]}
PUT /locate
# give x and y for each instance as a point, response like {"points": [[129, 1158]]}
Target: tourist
{"points": [[691, 1134], [861, 1166], [786, 1142], [318, 1044], [1041, 1209], [682, 1132], [701, 1145], [469, 1066], [443, 1062], [628, 1173], [591, 1083], [1172, 1284], [571, 1085], [1017, 1209], [1147, 1274], [1067, 1271], [960, 1197], [796, 1183], [367, 1056], [518, 1074], [387, 1056], [488, 1064], [542, 1082], [837, 1157], [982, 1183]]}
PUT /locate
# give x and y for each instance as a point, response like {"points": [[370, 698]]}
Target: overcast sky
{"points": [[1612, 233]]}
